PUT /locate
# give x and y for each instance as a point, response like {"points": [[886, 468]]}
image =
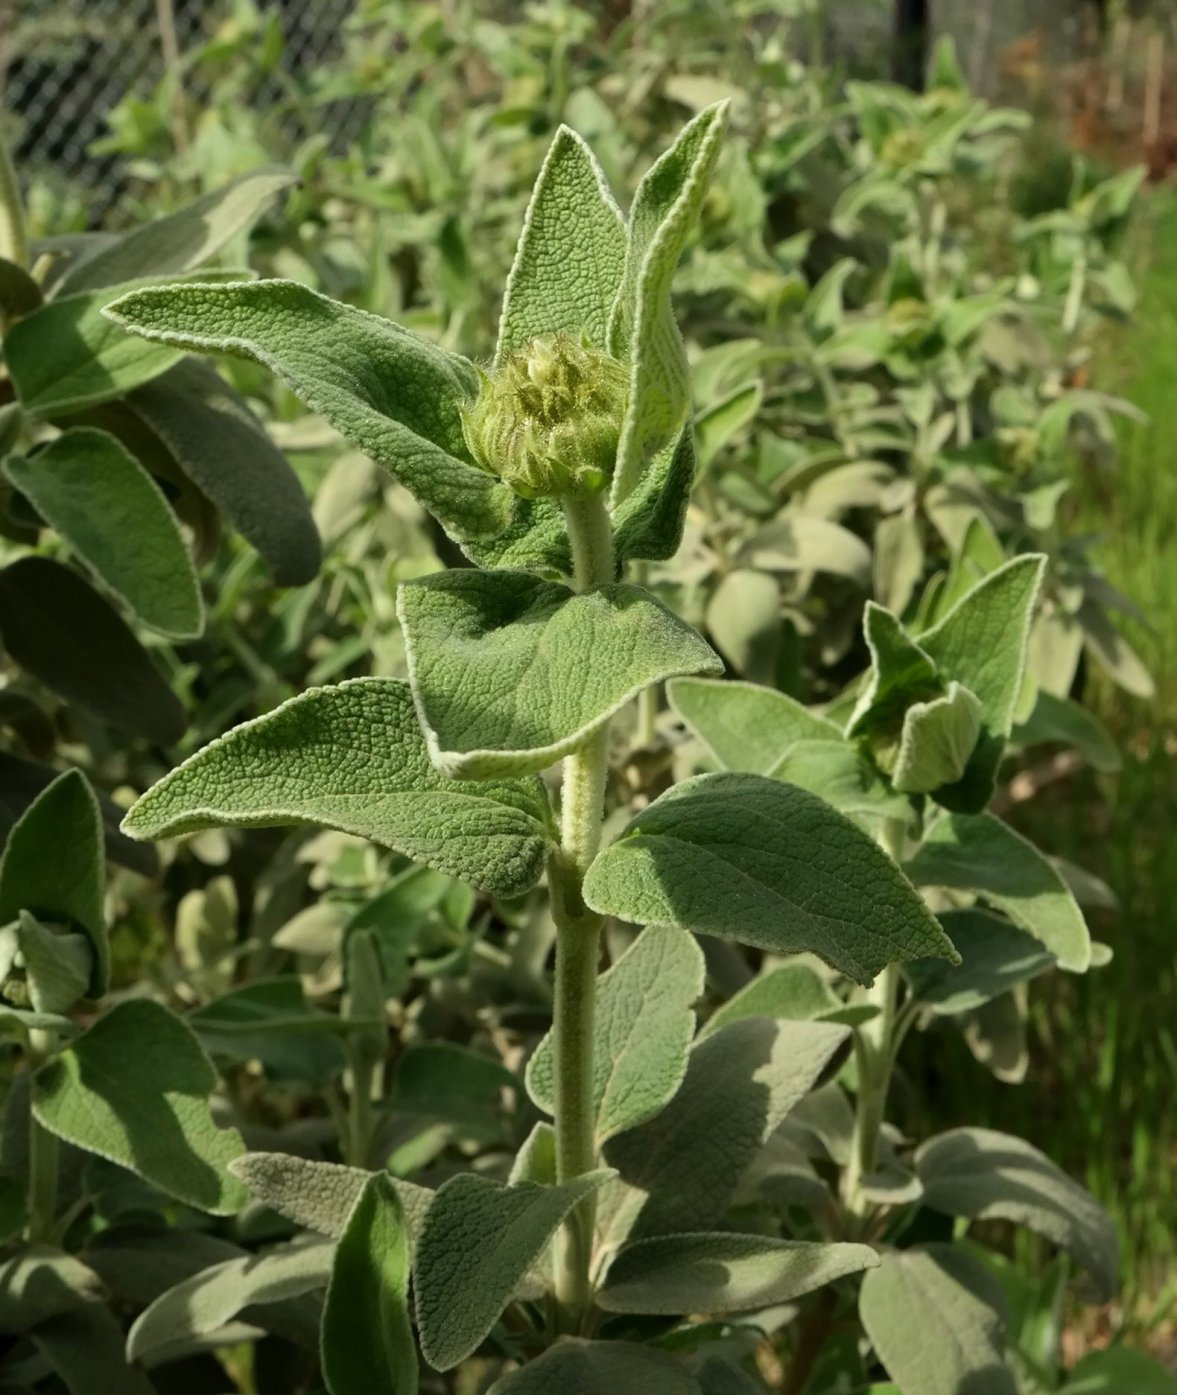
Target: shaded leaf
{"points": [[52, 865], [63, 632], [792, 991], [368, 1346], [1060, 719], [107, 507], [575, 1367], [995, 957], [932, 1330], [979, 853], [937, 742], [752, 859], [746, 727], [986, 1175], [720, 1273], [134, 1089], [224, 450], [85, 1349], [38, 1282]]}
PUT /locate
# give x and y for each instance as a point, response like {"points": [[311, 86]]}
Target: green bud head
{"points": [[548, 422]]}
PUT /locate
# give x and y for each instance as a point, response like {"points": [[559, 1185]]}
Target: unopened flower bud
{"points": [[549, 420]]}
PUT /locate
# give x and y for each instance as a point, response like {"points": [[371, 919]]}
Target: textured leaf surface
{"points": [[319, 1195], [573, 1367], [212, 1298], [68, 355], [766, 864], [571, 252], [52, 865], [937, 742], [642, 326], [368, 1346], [107, 507], [61, 630], [478, 1242], [497, 664], [931, 1331], [721, 1273], [183, 240], [643, 1028], [134, 1089], [688, 1160], [383, 389], [57, 967], [746, 727], [224, 450], [982, 643], [352, 757], [981, 854], [901, 672], [986, 1175], [995, 957], [793, 991]]}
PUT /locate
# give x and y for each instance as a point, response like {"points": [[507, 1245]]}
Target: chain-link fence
{"points": [[65, 65]]}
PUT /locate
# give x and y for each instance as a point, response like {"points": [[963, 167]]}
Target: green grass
{"points": [[1099, 1097]]}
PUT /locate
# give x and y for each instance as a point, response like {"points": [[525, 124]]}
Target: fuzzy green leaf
{"points": [[719, 1273], [901, 672], [571, 252], [575, 1367], [224, 450], [986, 1175], [319, 1196], [642, 326], [38, 1282], [643, 1029], [134, 1089], [88, 487], [388, 392], [746, 727], [932, 1331], [995, 957], [352, 757], [496, 661], [212, 1298], [688, 1160], [55, 625], [53, 866], [368, 1346], [792, 991], [57, 967], [979, 853], [765, 864], [69, 355], [478, 1242], [937, 741], [183, 240], [840, 773], [1059, 719], [982, 643]]}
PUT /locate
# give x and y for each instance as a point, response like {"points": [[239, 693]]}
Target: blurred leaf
{"points": [[89, 489], [63, 632], [577, 1367]]}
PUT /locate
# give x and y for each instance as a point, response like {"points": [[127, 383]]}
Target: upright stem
{"points": [[14, 243], [578, 932], [43, 1152], [875, 1058]]}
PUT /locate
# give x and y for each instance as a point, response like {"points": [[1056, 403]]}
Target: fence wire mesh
{"points": [[65, 65]]}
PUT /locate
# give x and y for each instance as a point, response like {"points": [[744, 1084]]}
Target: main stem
{"points": [[578, 932]]}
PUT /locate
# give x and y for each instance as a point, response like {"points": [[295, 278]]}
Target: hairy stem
{"points": [[14, 243], [43, 1153], [578, 933], [874, 1048]]}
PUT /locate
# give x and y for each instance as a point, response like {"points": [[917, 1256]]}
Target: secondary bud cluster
{"points": [[549, 420]]}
